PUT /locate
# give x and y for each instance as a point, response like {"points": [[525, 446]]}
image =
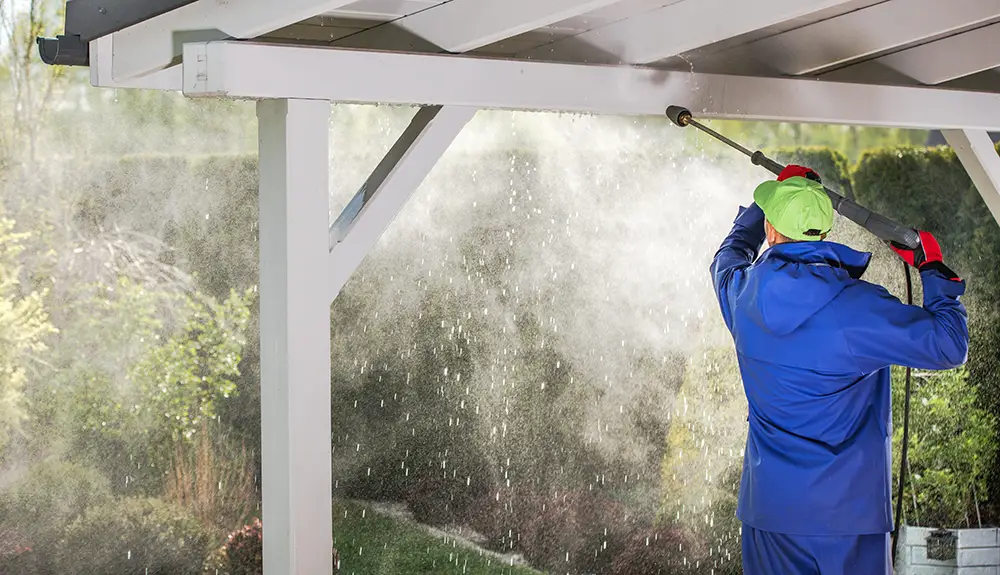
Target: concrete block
{"points": [[990, 570], [978, 538], [928, 570], [979, 557]]}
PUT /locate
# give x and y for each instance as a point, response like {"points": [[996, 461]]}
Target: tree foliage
{"points": [[24, 325], [175, 385], [951, 453]]}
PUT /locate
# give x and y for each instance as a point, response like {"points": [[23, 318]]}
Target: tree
{"points": [[24, 325], [26, 83], [129, 415]]}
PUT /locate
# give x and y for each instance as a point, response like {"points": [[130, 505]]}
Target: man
{"points": [[815, 344]]}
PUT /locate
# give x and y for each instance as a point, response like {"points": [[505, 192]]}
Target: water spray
{"points": [[878, 225]]}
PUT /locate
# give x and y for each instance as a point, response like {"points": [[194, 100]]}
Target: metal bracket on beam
{"points": [[978, 154], [393, 181]]}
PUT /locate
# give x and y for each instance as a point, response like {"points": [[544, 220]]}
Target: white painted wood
{"points": [[679, 27], [286, 71], [392, 183], [836, 42], [950, 58], [977, 153], [101, 77], [464, 25], [295, 337], [152, 45]]}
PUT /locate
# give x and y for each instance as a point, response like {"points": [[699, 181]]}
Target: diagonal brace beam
{"points": [[977, 153], [390, 185]]}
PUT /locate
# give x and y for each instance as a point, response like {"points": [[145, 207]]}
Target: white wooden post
{"points": [[295, 337]]}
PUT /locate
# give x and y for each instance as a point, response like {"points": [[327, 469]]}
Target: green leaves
{"points": [[181, 381], [173, 374], [951, 449], [24, 324]]}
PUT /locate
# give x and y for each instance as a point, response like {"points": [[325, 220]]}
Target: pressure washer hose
{"points": [[878, 225], [903, 464]]}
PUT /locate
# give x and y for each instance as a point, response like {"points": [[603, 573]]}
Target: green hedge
{"points": [[136, 537]]}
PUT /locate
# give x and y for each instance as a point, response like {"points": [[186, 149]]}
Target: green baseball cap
{"points": [[797, 207]]}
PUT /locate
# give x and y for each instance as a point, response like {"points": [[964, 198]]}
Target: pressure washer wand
{"points": [[879, 225]]}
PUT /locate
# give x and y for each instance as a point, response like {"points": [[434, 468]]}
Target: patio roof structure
{"points": [[895, 63]]}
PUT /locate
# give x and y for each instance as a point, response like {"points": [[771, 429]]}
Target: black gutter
{"points": [[88, 20]]}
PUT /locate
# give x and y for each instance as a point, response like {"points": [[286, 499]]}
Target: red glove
{"points": [[927, 256], [792, 170]]}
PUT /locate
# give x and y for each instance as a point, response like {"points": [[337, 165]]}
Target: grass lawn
{"points": [[372, 544]]}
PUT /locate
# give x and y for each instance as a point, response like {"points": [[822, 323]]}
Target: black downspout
{"points": [[88, 20]]}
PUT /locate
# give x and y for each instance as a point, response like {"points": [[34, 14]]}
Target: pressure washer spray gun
{"points": [[880, 226]]}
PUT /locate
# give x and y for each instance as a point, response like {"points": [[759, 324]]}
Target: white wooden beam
{"points": [[295, 337], [949, 58], [837, 42], [155, 44], [978, 154], [464, 25], [220, 69], [392, 183], [101, 76], [679, 27]]}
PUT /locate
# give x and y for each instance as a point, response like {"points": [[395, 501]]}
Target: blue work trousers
{"points": [[766, 553]]}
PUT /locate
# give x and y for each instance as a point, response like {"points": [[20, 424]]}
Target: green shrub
{"points": [[830, 164], [136, 536], [40, 506]]}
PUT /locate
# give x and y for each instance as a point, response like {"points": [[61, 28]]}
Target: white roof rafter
{"points": [[682, 26], [949, 58], [867, 32], [465, 25]]}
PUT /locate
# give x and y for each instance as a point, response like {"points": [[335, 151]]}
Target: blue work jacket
{"points": [[815, 344]]}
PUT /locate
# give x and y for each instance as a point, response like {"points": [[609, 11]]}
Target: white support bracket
{"points": [[296, 474], [397, 176], [978, 154], [220, 69]]}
